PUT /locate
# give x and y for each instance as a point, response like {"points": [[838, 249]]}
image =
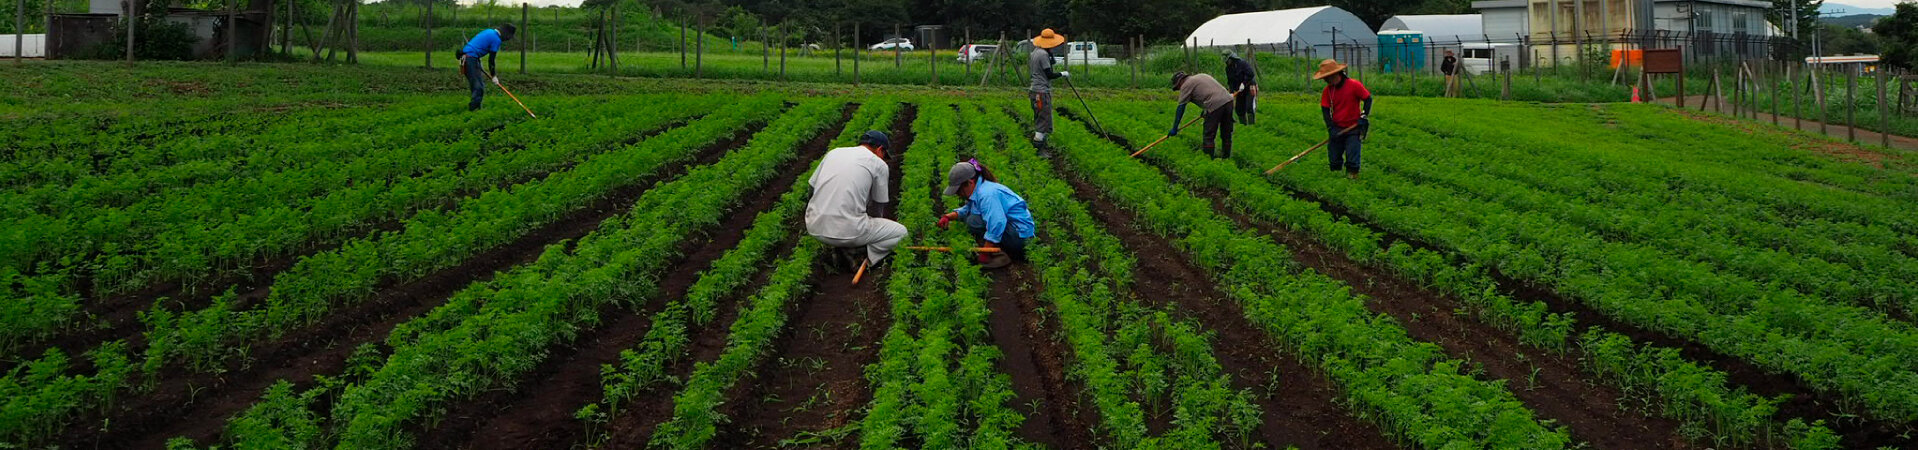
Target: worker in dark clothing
{"points": [[486, 44], [1449, 67], [1345, 104], [1205, 91], [1242, 79], [997, 217], [1040, 91]]}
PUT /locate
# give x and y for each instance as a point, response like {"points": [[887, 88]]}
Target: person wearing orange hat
{"points": [[1040, 91], [1345, 104]]}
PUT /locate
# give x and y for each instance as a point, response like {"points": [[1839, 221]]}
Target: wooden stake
{"points": [[949, 249]]}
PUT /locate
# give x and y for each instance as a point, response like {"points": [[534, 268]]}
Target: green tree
{"points": [[1783, 12], [1898, 36]]}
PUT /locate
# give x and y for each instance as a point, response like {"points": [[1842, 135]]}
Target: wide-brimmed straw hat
{"points": [[1327, 68], [1048, 39]]}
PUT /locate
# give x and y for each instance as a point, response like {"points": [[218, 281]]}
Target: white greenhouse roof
{"points": [[1309, 26], [1440, 28]]}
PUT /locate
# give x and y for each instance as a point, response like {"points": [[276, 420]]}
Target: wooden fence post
{"points": [[1851, 104], [968, 57], [524, 11], [132, 15], [699, 50], [20, 33], [857, 54], [682, 40], [782, 53], [898, 54], [837, 41], [1884, 116]]}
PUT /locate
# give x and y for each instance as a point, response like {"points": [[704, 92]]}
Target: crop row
{"points": [[192, 249], [1699, 396], [61, 146], [1130, 357], [190, 160], [506, 327], [670, 335], [1410, 388], [205, 339], [935, 383], [1849, 350], [1683, 216]]}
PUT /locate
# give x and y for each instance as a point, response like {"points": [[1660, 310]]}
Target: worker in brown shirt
{"points": [[1203, 90]]}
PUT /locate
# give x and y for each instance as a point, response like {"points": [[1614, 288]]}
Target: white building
{"points": [[1702, 27], [1312, 31]]}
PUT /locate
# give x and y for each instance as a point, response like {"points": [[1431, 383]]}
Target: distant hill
{"points": [[1833, 8], [1852, 21]]}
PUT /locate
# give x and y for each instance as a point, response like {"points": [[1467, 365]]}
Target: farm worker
{"points": [[1205, 91], [1040, 61], [1450, 68], [486, 44], [1345, 104], [849, 190], [1243, 80], [996, 216]]}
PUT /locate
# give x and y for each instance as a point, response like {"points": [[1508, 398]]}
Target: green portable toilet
{"points": [[1401, 50]]}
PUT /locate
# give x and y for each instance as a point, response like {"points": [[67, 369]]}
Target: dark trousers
{"points": [[1009, 241], [1041, 111], [475, 80], [1218, 123], [1243, 103], [1344, 149]]}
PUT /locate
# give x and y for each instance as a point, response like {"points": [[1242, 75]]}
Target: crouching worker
{"points": [[849, 192], [996, 216]]}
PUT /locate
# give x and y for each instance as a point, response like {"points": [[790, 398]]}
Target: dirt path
{"points": [[1301, 408], [815, 384], [197, 405], [1035, 359], [1835, 130]]}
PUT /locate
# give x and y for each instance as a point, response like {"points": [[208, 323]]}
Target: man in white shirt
{"points": [[849, 191]]}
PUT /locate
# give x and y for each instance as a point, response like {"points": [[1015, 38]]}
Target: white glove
{"points": [[1065, 74], [495, 80]]}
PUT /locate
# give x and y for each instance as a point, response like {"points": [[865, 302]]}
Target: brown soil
{"points": [[1802, 401], [1036, 361], [116, 316], [539, 413], [197, 405], [1301, 407], [815, 383]]}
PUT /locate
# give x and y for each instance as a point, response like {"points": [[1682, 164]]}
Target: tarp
{"points": [[32, 45], [1302, 28]]}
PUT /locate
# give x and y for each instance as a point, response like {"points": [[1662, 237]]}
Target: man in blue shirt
{"points": [[486, 44], [996, 216]]}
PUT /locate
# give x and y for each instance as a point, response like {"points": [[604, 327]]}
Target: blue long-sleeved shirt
{"points": [[485, 43], [998, 206]]}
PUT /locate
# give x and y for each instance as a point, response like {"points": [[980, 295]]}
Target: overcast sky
{"points": [[1859, 3], [535, 3], [1868, 3]]}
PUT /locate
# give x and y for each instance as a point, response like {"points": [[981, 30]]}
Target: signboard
{"points": [[1664, 60]]}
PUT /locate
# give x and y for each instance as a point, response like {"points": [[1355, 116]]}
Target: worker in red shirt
{"points": [[1345, 104]]}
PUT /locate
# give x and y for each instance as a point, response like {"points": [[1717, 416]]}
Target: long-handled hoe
{"points": [[1162, 139], [1308, 150], [509, 94]]}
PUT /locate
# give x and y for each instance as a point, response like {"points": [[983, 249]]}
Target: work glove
{"points": [[495, 80], [1255, 90], [1065, 74], [946, 220], [1172, 132]]}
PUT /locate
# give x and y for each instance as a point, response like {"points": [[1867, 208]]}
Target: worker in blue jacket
{"points": [[486, 44], [996, 216]]}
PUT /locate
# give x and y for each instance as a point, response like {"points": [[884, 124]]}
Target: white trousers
{"points": [[879, 236]]}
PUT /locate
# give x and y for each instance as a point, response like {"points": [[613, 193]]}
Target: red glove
{"points": [[946, 220]]}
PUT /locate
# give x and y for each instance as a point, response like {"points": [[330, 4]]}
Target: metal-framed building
{"points": [[1319, 31], [1555, 30]]}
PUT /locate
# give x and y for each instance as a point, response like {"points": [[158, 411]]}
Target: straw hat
{"points": [[1327, 68], [1048, 39]]}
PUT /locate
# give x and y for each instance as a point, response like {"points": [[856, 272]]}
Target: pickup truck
{"points": [[1084, 53]]}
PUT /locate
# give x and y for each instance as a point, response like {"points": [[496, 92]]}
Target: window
{"points": [[1741, 23], [1702, 18]]}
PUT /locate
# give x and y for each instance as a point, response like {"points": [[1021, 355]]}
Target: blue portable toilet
{"points": [[1401, 50]]}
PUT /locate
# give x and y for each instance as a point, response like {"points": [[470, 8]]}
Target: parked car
{"points": [[1082, 53], [976, 52], [894, 43]]}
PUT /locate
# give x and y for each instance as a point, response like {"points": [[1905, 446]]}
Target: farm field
{"points": [[303, 259]]}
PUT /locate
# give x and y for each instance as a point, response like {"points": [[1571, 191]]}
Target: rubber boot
{"points": [[1045, 150]]}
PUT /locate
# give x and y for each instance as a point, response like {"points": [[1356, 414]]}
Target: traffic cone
{"points": [[1635, 94]]}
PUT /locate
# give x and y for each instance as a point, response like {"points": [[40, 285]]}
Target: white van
{"points": [[1478, 57]]}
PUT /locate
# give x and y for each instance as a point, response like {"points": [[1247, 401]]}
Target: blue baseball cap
{"points": [[875, 138]]}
